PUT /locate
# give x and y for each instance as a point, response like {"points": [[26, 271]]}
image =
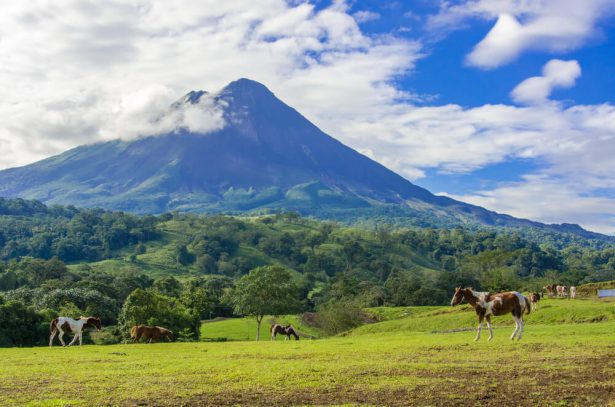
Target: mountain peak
{"points": [[246, 86], [194, 96]]}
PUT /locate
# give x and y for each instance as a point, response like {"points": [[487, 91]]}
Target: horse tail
{"points": [[528, 307], [53, 325]]}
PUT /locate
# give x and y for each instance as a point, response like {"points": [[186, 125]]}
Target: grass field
{"points": [[405, 360], [244, 329]]}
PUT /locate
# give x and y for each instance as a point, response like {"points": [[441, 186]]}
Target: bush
{"points": [[338, 317], [21, 325]]}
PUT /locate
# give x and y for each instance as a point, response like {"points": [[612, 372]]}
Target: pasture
{"points": [[416, 356]]}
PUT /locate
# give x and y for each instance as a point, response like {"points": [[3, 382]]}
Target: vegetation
{"points": [[555, 363], [266, 290], [189, 265]]}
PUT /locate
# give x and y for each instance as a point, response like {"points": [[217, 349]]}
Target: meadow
{"points": [[407, 359]]}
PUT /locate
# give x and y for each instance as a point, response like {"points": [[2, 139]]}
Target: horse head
{"points": [[93, 322], [458, 296]]}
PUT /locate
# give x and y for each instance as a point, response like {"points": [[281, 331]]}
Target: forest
{"points": [[177, 269]]}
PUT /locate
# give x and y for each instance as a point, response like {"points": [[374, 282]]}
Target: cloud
{"points": [[364, 16], [76, 72], [522, 26], [152, 111], [555, 74], [549, 200]]}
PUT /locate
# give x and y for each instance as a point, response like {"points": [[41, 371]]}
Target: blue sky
{"points": [[507, 104], [444, 73]]}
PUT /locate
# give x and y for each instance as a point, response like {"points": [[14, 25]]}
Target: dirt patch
{"points": [[587, 385]]}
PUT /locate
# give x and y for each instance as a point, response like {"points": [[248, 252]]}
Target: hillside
{"points": [[263, 155], [325, 257]]}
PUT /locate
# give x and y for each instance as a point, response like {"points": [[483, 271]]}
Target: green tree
{"points": [[151, 308], [21, 325], [267, 290]]}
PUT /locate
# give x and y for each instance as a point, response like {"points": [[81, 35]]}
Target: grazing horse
{"points": [[534, 298], [573, 292], [151, 333], [487, 304], [64, 324], [287, 330], [561, 291], [550, 289]]}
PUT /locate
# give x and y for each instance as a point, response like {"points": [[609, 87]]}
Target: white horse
{"points": [[65, 324], [573, 292]]}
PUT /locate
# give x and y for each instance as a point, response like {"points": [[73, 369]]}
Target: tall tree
{"points": [[267, 290]]}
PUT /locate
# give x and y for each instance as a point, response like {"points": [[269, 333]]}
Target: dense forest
{"points": [[175, 269]]}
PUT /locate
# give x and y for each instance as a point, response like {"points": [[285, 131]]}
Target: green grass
{"points": [[430, 319], [400, 361], [244, 329]]}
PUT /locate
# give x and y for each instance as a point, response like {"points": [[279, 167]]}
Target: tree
{"points": [[267, 290], [21, 325], [169, 286], [151, 308]]}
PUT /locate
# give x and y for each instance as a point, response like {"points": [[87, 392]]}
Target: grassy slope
{"points": [[159, 259], [244, 329], [400, 361], [555, 364], [430, 319]]}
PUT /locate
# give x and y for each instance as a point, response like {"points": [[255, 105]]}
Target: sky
{"points": [[507, 104]]}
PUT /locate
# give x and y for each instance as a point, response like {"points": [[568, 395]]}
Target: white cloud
{"points": [[555, 74], [74, 72], [548, 200], [521, 26], [364, 16]]}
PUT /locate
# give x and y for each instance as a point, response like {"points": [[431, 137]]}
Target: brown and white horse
{"points": [[65, 324], [287, 330], [550, 289], [487, 304], [534, 298], [561, 291], [150, 333]]}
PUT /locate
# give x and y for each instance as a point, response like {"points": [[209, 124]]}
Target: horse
{"points": [[486, 304], [573, 292], [550, 289], [534, 298], [153, 333], [287, 330], [65, 324], [561, 291]]}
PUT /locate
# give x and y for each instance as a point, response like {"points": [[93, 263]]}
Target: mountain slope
{"points": [[265, 156]]}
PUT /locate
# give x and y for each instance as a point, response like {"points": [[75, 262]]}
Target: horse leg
{"points": [[53, 334], [61, 336], [74, 339], [516, 327], [522, 325], [488, 318], [480, 324], [287, 338], [80, 338]]}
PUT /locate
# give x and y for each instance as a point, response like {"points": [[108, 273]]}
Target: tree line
{"points": [[326, 267]]}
